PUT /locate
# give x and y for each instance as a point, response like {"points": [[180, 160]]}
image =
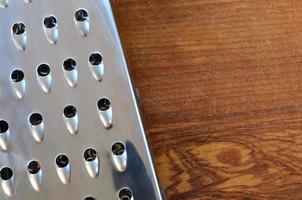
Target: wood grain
{"points": [[221, 87]]}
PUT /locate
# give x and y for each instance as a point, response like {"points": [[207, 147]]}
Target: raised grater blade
{"points": [[69, 123]]}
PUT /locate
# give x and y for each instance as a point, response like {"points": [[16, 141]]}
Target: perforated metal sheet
{"points": [[115, 85]]}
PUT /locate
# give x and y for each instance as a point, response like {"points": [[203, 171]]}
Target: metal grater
{"points": [[70, 127]]}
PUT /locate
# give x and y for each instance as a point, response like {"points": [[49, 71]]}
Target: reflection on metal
{"points": [[35, 175], [71, 119], [89, 198], [63, 168], [36, 126], [4, 135], [7, 181], [44, 77], [96, 66], [105, 112], [18, 83], [19, 35], [3, 3], [51, 29], [70, 126], [92, 163], [125, 194], [82, 21], [119, 156], [70, 71]]}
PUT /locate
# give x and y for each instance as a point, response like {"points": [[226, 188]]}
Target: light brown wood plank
{"points": [[221, 87]]}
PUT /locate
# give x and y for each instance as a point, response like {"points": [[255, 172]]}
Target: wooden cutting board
{"points": [[221, 85]]}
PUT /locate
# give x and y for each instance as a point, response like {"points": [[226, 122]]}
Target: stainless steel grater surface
{"points": [[69, 123]]}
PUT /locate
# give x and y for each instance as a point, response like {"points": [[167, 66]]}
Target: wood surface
{"points": [[221, 84]]}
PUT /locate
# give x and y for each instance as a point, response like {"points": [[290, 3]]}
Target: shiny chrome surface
{"points": [[96, 65], [128, 174], [18, 83], [51, 29], [92, 163], [81, 20], [4, 135], [44, 77], [119, 156], [71, 119], [105, 112], [70, 71], [19, 35], [7, 181], [35, 175], [36, 126], [3, 3]]}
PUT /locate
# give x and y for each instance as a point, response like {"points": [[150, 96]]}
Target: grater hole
{"points": [[3, 126], [6, 173], [62, 161], [125, 194], [43, 70], [35, 119], [89, 198], [70, 111], [69, 64], [103, 104], [95, 59], [118, 148], [90, 155], [50, 22], [34, 167], [17, 75], [81, 15], [18, 28]]}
